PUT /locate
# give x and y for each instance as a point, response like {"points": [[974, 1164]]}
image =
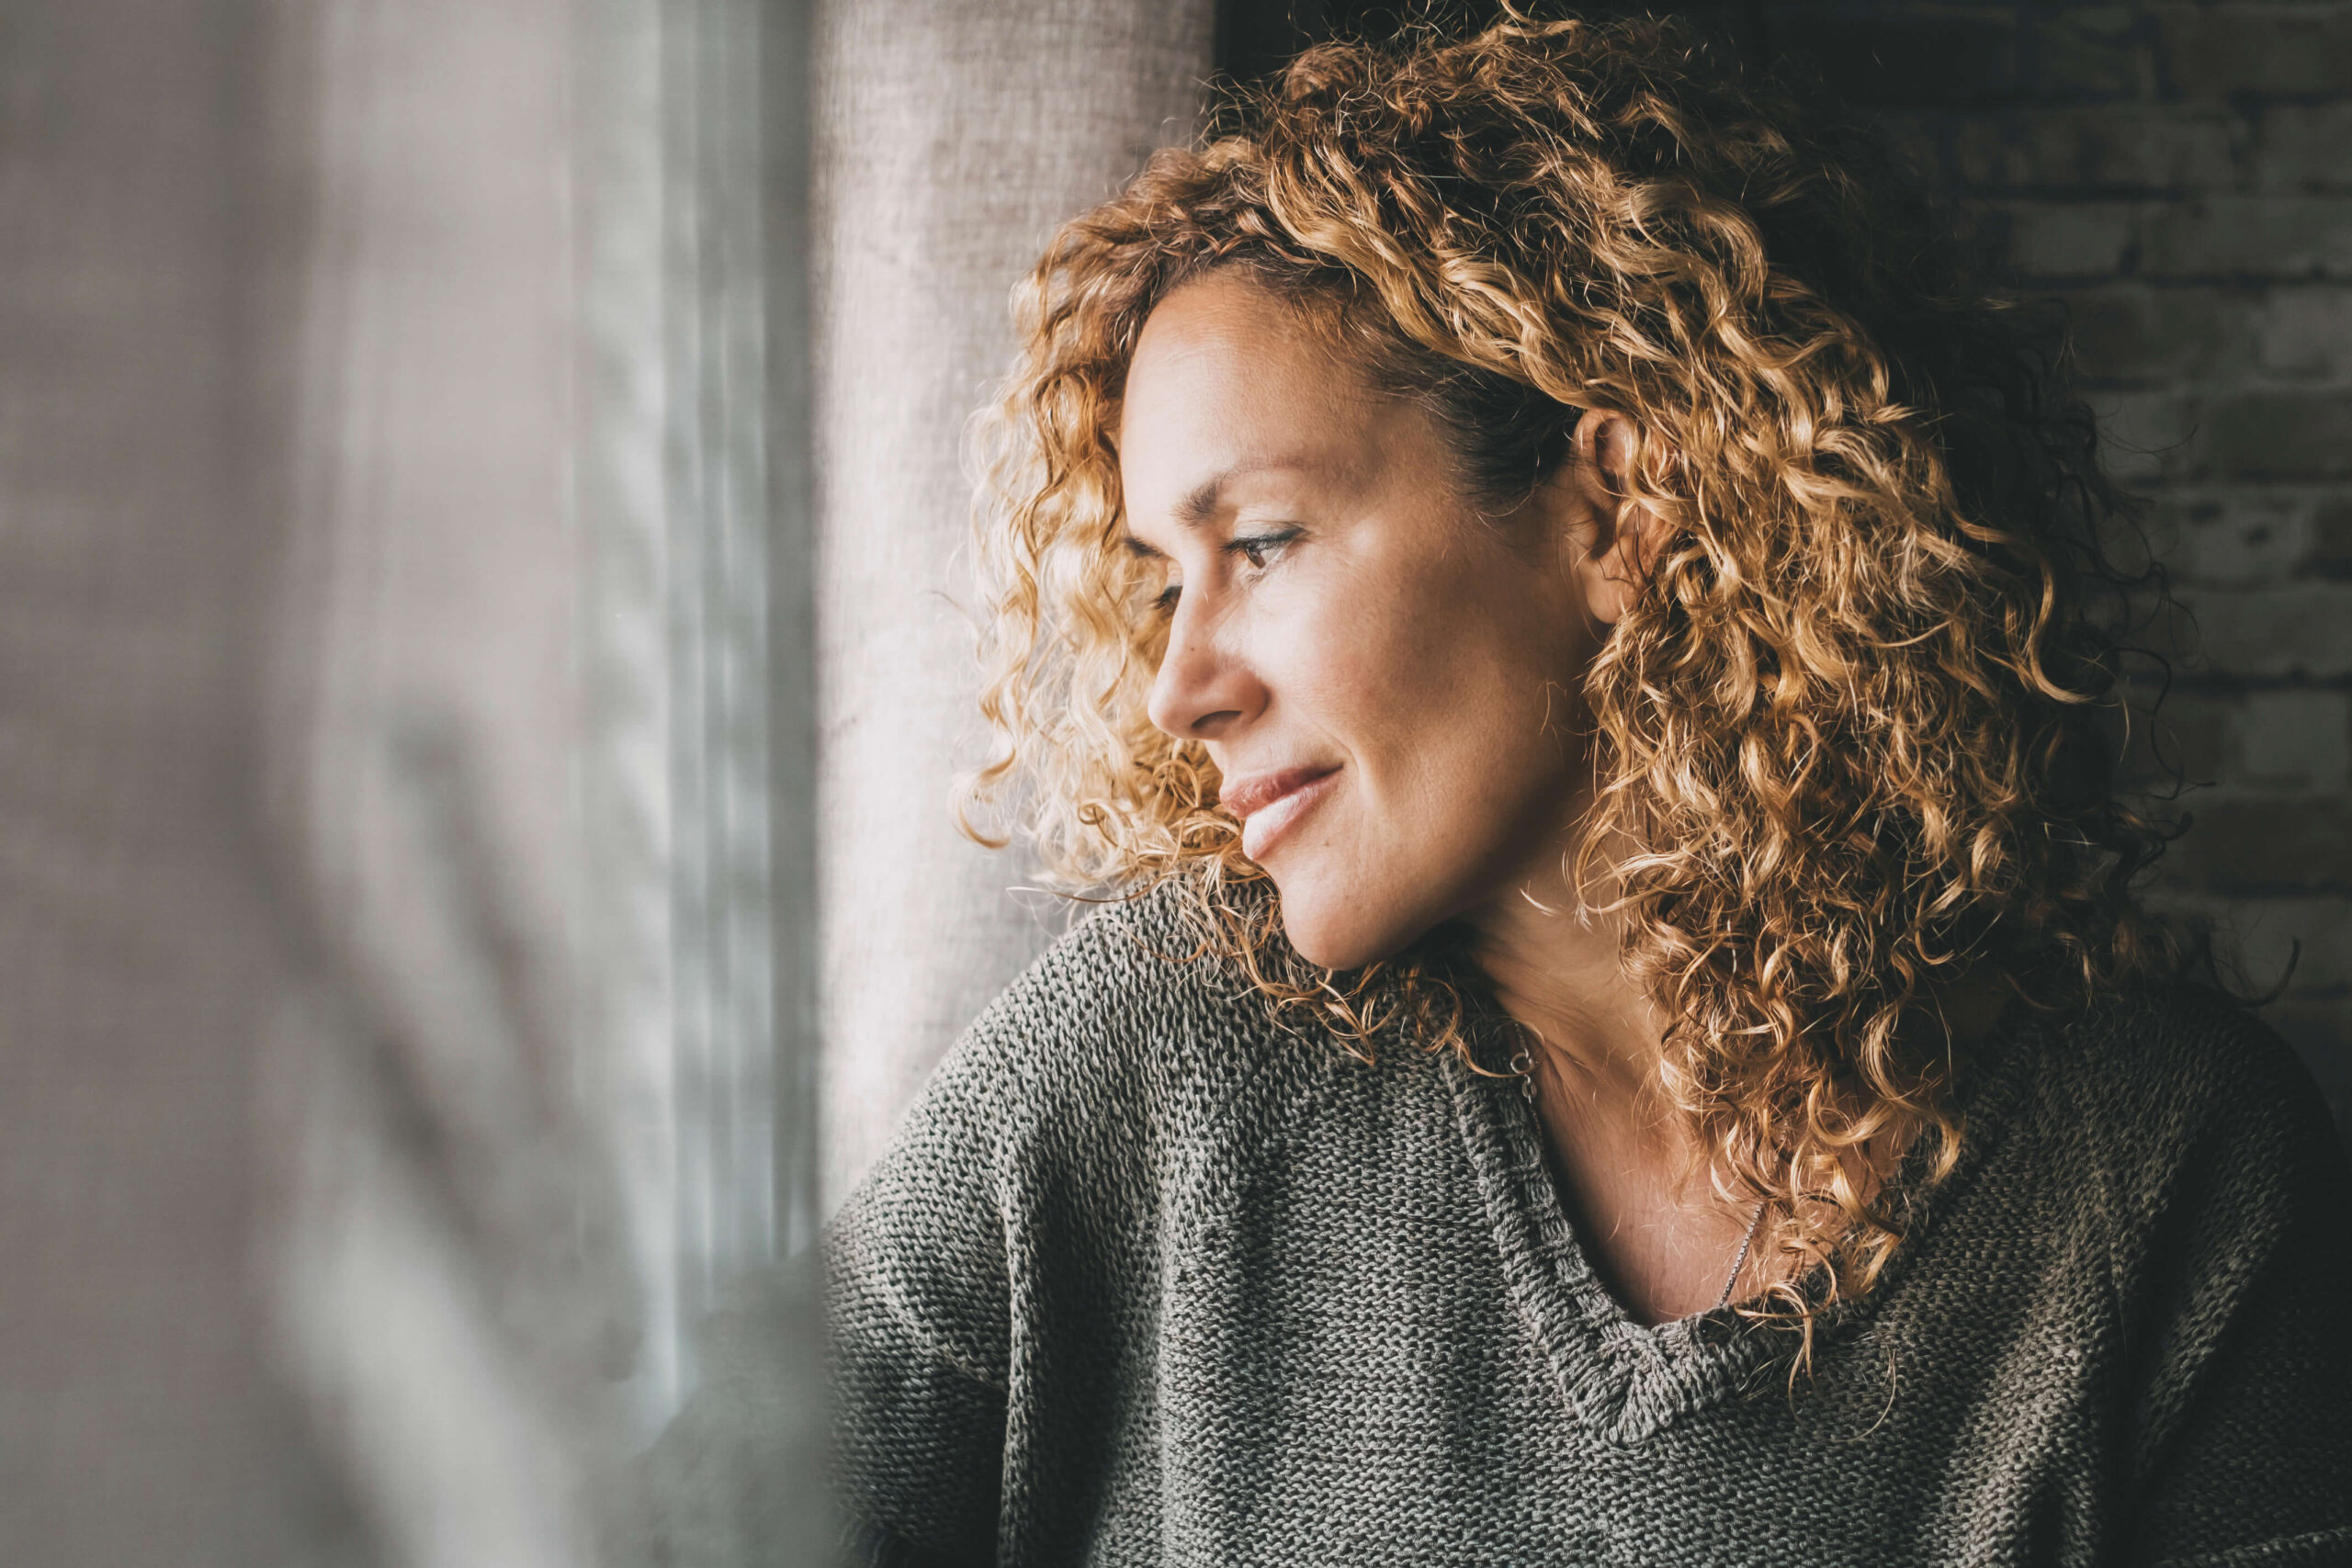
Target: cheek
{"points": [[1445, 691], [1377, 645], [1477, 749], [1454, 701]]}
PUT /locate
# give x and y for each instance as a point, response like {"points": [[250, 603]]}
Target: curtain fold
{"points": [[950, 139]]}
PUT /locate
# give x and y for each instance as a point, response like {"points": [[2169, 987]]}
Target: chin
{"points": [[1341, 927]]}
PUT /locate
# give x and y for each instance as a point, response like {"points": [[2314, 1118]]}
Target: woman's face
{"points": [[1387, 681]]}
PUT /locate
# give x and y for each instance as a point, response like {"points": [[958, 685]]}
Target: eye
{"points": [[1259, 548], [1258, 551]]}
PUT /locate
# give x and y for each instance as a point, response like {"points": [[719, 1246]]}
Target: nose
{"points": [[1203, 691]]}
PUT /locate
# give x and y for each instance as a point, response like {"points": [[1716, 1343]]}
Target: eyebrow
{"points": [[1199, 506]]}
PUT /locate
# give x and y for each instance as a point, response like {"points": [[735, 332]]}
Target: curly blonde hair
{"points": [[1856, 723]]}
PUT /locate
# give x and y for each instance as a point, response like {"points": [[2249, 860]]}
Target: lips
{"points": [[1268, 803]]}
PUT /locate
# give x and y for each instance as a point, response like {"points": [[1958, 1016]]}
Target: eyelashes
{"points": [[1259, 548], [1258, 551]]}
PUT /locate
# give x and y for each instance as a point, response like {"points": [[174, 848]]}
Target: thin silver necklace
{"points": [[1523, 1068], [1740, 1262]]}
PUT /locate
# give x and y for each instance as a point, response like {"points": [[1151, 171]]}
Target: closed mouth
{"points": [[1247, 797], [1271, 804]]}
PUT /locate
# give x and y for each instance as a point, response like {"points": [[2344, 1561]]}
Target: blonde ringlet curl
{"points": [[1851, 733]]}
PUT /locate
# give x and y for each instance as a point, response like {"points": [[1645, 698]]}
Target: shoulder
{"points": [[1049, 1140], [2173, 1103], [2202, 1164], [2169, 1068], [1133, 982], [1109, 1061], [1128, 1012]]}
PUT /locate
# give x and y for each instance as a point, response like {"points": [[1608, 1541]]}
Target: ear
{"points": [[1613, 540]]}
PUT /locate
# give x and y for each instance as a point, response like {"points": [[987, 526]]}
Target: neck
{"points": [[1555, 970]]}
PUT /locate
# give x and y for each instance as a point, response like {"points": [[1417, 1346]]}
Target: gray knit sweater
{"points": [[1147, 1280]]}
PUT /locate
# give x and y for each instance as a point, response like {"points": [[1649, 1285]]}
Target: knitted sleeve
{"points": [[918, 1319], [2240, 1285]]}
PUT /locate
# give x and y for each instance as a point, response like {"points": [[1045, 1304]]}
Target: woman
{"points": [[1622, 1033]]}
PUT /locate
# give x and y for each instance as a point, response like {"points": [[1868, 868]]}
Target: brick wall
{"points": [[2182, 174]]}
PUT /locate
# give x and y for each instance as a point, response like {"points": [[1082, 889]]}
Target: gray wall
{"points": [[2182, 175]]}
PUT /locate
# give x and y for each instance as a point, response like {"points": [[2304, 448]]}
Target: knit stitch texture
{"points": [[1147, 1279]]}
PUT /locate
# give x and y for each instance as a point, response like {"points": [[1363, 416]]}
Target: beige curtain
{"points": [[951, 139]]}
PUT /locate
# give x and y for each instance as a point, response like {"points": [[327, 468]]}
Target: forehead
{"points": [[1230, 377], [1227, 332]]}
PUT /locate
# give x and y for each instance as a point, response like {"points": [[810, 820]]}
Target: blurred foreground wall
{"points": [[145, 958], [406, 922]]}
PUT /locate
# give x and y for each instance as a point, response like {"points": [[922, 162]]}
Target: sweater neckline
{"points": [[1624, 1380]]}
